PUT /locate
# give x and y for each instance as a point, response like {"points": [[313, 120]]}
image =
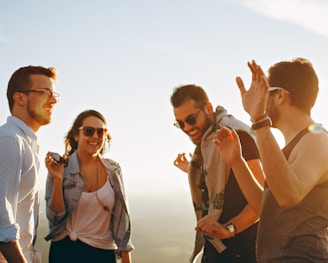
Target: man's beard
{"points": [[37, 115], [273, 113], [207, 124]]}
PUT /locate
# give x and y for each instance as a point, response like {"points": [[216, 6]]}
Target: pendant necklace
{"points": [[106, 208]]}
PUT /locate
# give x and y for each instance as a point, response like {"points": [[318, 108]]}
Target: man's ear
{"points": [[209, 107], [19, 99], [283, 95], [209, 110]]}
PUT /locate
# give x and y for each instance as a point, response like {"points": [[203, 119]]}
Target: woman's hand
{"points": [[55, 168]]}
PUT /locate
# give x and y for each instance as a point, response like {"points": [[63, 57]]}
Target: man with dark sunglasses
{"points": [[215, 192], [31, 100]]}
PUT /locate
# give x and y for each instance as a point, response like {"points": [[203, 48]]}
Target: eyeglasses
{"points": [[277, 88], [191, 120], [47, 93], [90, 131]]}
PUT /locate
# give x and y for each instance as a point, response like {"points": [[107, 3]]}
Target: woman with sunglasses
{"points": [[86, 204]]}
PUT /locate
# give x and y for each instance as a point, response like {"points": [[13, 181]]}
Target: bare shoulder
{"points": [[311, 153], [315, 143]]}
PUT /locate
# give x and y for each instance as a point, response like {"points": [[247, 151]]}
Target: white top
{"points": [[89, 222], [19, 196]]}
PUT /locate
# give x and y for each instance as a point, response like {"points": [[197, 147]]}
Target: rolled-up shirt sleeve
{"points": [[10, 175], [53, 217]]}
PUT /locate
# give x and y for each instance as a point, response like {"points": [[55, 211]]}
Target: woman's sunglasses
{"points": [[191, 120], [90, 131]]}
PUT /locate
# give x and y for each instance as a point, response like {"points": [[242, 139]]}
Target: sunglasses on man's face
{"points": [[90, 131], [191, 120]]}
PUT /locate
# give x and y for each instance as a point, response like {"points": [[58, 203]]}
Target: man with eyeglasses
{"points": [[214, 190], [31, 99], [293, 205]]}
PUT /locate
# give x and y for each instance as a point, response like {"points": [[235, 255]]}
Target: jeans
{"points": [[68, 251]]}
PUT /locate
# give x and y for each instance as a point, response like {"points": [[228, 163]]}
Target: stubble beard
{"points": [[207, 124], [37, 115]]}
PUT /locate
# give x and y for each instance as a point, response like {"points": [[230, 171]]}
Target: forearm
{"points": [[245, 219], [57, 203], [283, 182], [249, 185], [12, 252], [126, 257]]}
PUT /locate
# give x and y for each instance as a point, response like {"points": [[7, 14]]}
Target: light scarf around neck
{"points": [[206, 159]]}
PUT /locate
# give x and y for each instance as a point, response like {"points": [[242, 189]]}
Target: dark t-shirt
{"points": [[240, 248]]}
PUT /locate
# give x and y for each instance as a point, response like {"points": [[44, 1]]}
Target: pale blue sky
{"points": [[124, 58]]}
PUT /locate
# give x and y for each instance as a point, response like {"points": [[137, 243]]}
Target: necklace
{"points": [[105, 207]]}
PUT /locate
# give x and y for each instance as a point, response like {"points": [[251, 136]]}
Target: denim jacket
{"points": [[73, 184]]}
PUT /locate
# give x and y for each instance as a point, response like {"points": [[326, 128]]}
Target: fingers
{"points": [[221, 135], [252, 66], [235, 135], [256, 70], [55, 158], [210, 227], [178, 159], [240, 85], [48, 159]]}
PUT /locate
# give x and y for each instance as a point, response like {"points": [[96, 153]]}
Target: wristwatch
{"points": [[231, 228]]}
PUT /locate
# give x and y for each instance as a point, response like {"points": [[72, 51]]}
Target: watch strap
{"points": [[263, 123]]}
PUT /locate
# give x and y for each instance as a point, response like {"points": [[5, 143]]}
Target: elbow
{"points": [[289, 202]]}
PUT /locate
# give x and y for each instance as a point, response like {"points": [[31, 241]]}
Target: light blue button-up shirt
{"points": [[19, 196]]}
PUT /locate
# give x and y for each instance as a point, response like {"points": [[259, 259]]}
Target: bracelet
{"points": [[260, 124], [263, 117]]}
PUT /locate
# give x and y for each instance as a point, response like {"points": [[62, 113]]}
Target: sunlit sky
{"points": [[124, 58]]}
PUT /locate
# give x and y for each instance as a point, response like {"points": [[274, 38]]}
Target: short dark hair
{"points": [[184, 93], [70, 143], [299, 79], [20, 80]]}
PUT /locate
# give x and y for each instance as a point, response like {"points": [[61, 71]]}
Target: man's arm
{"points": [[249, 175], [12, 252], [10, 165], [250, 214], [246, 218], [250, 170], [290, 181], [126, 257]]}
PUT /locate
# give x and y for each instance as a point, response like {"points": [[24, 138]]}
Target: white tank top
{"points": [[90, 222]]}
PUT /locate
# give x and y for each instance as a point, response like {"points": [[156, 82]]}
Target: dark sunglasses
{"points": [[191, 120], [90, 131], [59, 159]]}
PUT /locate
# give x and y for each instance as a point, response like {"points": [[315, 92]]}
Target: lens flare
{"points": [[316, 128]]}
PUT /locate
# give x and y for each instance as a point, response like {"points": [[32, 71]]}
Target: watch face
{"points": [[230, 227]]}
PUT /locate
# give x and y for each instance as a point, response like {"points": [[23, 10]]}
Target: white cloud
{"points": [[311, 14]]}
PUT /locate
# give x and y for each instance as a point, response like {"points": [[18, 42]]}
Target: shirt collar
{"points": [[29, 133]]}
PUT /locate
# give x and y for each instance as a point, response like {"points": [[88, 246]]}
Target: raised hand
{"points": [[182, 162], [228, 145], [254, 99]]}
